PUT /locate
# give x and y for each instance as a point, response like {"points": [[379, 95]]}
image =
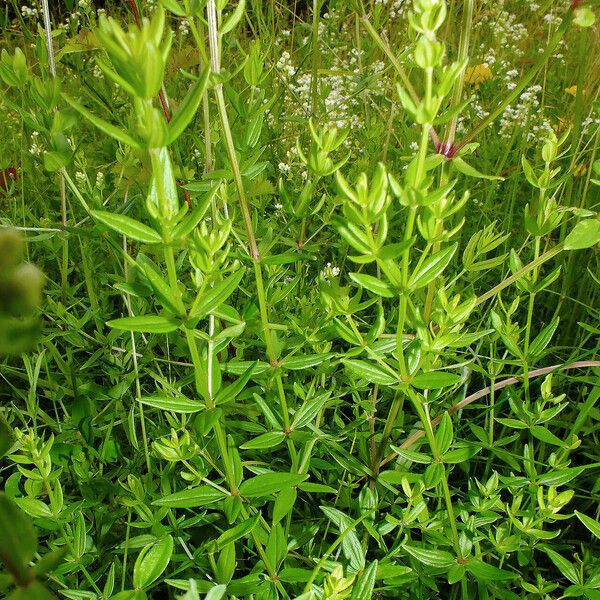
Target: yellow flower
{"points": [[562, 125], [477, 75], [580, 169], [572, 91]]}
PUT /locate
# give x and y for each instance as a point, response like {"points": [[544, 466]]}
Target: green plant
{"points": [[267, 324]]}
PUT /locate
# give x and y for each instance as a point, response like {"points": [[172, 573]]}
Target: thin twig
{"points": [[417, 435]]}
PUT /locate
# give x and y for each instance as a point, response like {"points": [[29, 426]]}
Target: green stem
{"points": [[422, 409], [315, 57], [254, 252], [523, 271]]}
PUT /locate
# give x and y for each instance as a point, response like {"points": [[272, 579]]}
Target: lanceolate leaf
{"points": [[152, 561], [127, 226], [268, 483], [215, 296], [369, 371], [239, 531], [466, 169], [159, 285], [183, 117], [363, 587], [590, 523], [234, 18], [18, 542], [350, 544], [192, 498], [431, 268], [177, 405], [373, 284], [431, 557], [435, 380], [487, 572], [585, 235], [567, 568], [146, 324], [103, 125], [543, 338]]}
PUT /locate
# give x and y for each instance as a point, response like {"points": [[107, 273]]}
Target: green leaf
{"points": [[466, 169], [191, 498], [146, 324], [455, 573], [174, 7], [308, 411], [55, 161], [460, 455], [560, 476], [432, 558], [231, 392], [590, 523], [412, 455], [35, 591], [433, 475], [564, 566], [239, 531], [434, 380], [179, 404], [103, 125], [431, 268], [127, 226], [364, 585], [351, 545], [18, 542], [152, 561], [352, 234], [297, 363], [7, 437], [266, 440], [444, 434], [584, 235], [216, 593], [545, 435], [284, 503], [215, 296], [234, 18], [50, 561], [543, 338], [369, 371], [487, 572], [190, 222], [373, 284], [159, 285], [188, 107], [393, 251], [269, 483], [34, 507]]}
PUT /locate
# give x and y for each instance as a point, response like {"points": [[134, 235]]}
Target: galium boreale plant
{"points": [[401, 234], [135, 60]]}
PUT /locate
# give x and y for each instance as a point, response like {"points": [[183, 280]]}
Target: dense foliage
{"points": [[319, 314]]}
